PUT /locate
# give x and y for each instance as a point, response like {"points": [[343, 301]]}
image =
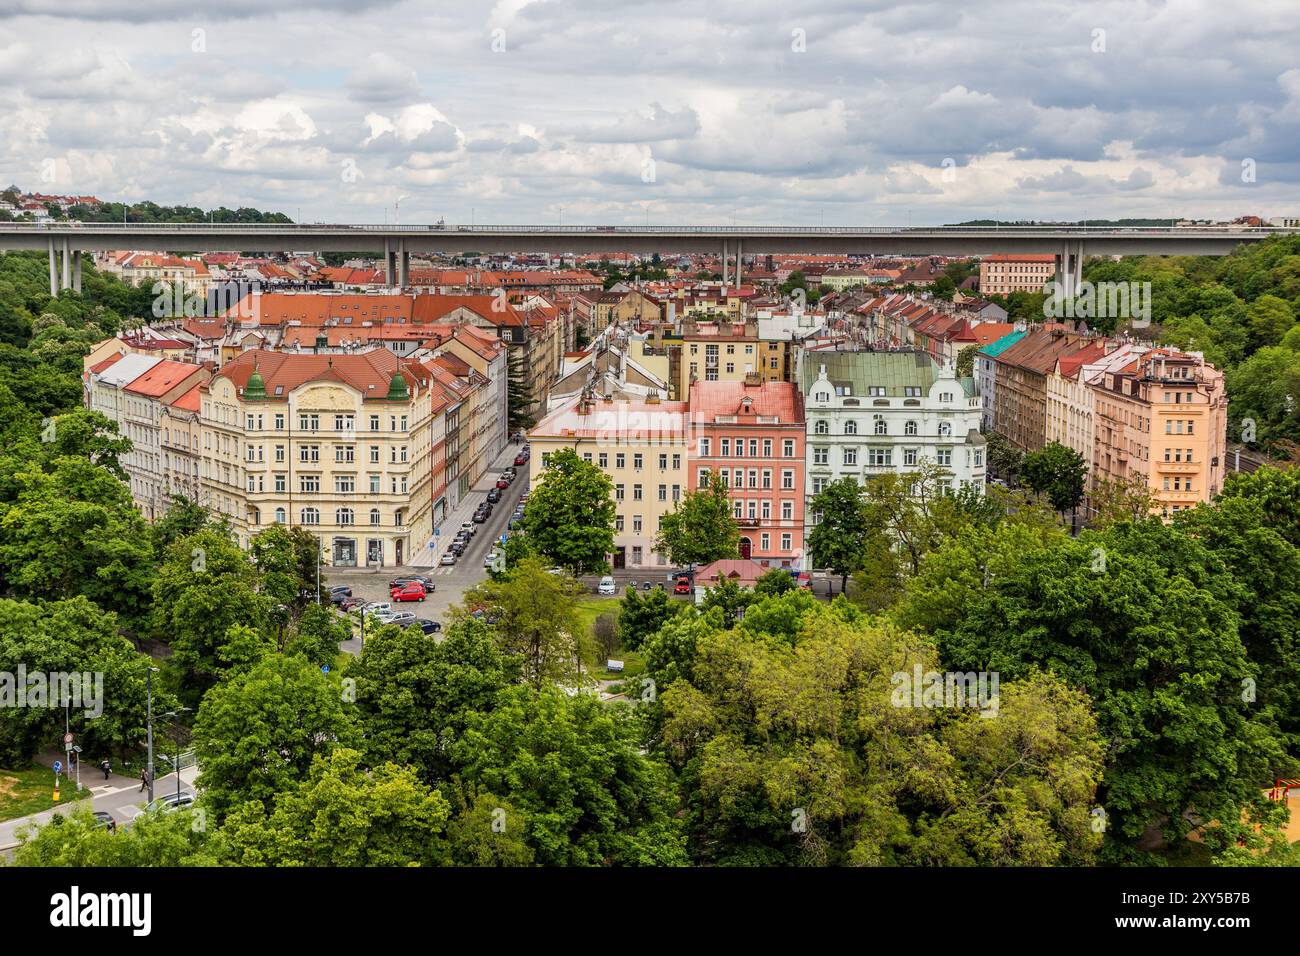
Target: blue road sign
{"points": [[503, 538], [325, 668], [58, 765]]}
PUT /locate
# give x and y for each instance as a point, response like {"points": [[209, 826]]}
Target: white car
{"points": [[607, 586]]}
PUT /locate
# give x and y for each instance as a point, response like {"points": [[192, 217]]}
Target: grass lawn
{"points": [[31, 790], [588, 610]]}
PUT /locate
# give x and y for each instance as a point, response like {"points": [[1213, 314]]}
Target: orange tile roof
{"points": [[162, 378]]}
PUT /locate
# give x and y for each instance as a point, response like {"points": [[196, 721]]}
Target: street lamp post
{"points": [[177, 729], [148, 683]]}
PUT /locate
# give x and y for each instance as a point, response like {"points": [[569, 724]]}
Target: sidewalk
{"points": [[103, 795], [427, 557]]}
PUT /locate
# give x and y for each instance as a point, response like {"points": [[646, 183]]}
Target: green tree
{"points": [[536, 620], [574, 768], [1057, 472], [343, 814], [570, 514], [256, 734], [837, 539], [415, 696], [78, 840], [519, 394], [700, 529], [639, 617], [775, 582]]}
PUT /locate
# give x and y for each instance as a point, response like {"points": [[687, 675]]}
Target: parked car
{"points": [[376, 607], [509, 472], [631, 585], [683, 585], [480, 516], [411, 591], [341, 590], [503, 483], [494, 495], [448, 559], [649, 586], [171, 801], [606, 586], [429, 585], [104, 821], [403, 619], [428, 626], [348, 603], [521, 459], [469, 529], [491, 558]]}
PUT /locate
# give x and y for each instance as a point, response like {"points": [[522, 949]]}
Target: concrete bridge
{"points": [[65, 241]]}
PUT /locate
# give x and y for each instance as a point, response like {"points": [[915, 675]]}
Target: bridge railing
{"points": [[71, 228]]}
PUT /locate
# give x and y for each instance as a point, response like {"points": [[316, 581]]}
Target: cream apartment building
{"points": [[642, 446], [337, 444]]}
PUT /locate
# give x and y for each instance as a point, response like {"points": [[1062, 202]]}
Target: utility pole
{"points": [[148, 683]]}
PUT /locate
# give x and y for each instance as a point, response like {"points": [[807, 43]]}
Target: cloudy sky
{"points": [[595, 111]]}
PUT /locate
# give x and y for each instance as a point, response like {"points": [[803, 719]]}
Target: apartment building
{"points": [[1069, 407], [986, 375], [1163, 418], [134, 390], [874, 413], [644, 448], [752, 436], [1020, 402], [338, 444], [728, 352], [1004, 274], [181, 443], [146, 268]]}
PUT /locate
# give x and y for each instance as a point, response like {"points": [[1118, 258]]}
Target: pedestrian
{"points": [[144, 779], [105, 766]]}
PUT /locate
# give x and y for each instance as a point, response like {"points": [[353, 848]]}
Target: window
{"points": [[818, 485], [850, 427], [787, 510], [618, 492], [279, 516], [880, 427], [821, 455], [309, 453], [705, 444], [344, 516], [310, 516], [909, 428], [909, 457], [279, 421], [618, 523], [821, 427], [945, 429], [374, 454], [638, 460], [620, 460], [767, 448], [850, 456], [764, 542], [343, 423], [309, 484], [637, 493], [345, 453], [787, 479], [787, 448], [787, 542], [944, 457], [979, 457], [725, 447], [636, 524], [280, 484], [603, 459], [345, 484], [767, 508], [677, 461], [279, 453], [945, 396], [876, 390], [880, 457], [663, 462], [374, 517]]}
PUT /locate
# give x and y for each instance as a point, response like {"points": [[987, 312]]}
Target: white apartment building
{"points": [[873, 413]]}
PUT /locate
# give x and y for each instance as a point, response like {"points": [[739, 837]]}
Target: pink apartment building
{"points": [[752, 434]]}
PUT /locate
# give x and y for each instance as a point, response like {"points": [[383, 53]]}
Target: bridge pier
{"points": [[1069, 268], [388, 264], [403, 264], [738, 267], [67, 266], [54, 271], [76, 271]]}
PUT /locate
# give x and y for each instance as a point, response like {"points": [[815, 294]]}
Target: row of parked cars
{"points": [[465, 534]]}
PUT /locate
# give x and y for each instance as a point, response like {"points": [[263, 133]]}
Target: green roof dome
{"points": [[397, 390], [256, 388]]}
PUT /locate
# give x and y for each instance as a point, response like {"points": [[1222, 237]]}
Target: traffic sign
{"points": [[67, 738], [58, 765]]}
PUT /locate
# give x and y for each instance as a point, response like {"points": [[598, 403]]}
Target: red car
{"points": [[412, 591], [502, 484], [683, 586], [521, 460]]}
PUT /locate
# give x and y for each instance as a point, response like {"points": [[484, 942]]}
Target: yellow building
{"points": [[642, 446], [338, 444]]}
